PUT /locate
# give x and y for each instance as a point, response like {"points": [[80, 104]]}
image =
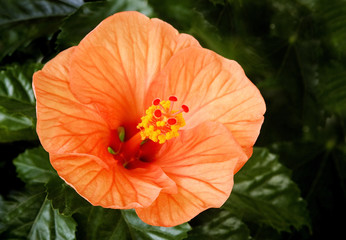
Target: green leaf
{"points": [[25, 20], [17, 103], [18, 213], [140, 230], [16, 86], [224, 226], [76, 26], [15, 127], [96, 223], [64, 198], [264, 194], [100, 223], [48, 224], [33, 166], [29, 215]]}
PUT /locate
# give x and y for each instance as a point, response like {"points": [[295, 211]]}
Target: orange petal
{"points": [[201, 162], [215, 89], [116, 187], [115, 63], [63, 123]]}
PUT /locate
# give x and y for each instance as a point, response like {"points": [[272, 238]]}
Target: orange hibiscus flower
{"points": [[140, 116]]}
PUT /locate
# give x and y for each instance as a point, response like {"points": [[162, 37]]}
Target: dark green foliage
{"points": [[294, 186], [32, 166], [265, 194], [28, 215], [221, 226], [77, 25], [17, 103], [23, 21]]}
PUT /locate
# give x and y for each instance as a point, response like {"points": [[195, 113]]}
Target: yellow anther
{"points": [[161, 123]]}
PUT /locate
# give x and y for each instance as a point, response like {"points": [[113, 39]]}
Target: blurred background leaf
{"points": [[23, 21], [88, 16]]}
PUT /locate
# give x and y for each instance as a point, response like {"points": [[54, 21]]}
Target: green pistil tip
{"points": [[121, 133], [111, 151]]}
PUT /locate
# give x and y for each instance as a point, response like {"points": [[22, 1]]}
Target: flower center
{"points": [[160, 124], [161, 121]]}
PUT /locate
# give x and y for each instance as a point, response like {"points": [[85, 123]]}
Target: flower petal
{"points": [[216, 89], [201, 162], [115, 63], [63, 123], [115, 187]]}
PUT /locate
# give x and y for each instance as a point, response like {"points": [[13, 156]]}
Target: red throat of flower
{"points": [[160, 123]]}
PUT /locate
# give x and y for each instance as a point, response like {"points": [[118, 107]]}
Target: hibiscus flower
{"points": [[140, 116]]}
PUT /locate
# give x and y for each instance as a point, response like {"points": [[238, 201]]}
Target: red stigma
{"points": [[172, 121], [156, 101], [185, 108], [173, 98], [157, 113]]}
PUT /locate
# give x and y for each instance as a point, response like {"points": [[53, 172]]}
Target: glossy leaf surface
{"points": [[264, 193], [17, 103]]}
